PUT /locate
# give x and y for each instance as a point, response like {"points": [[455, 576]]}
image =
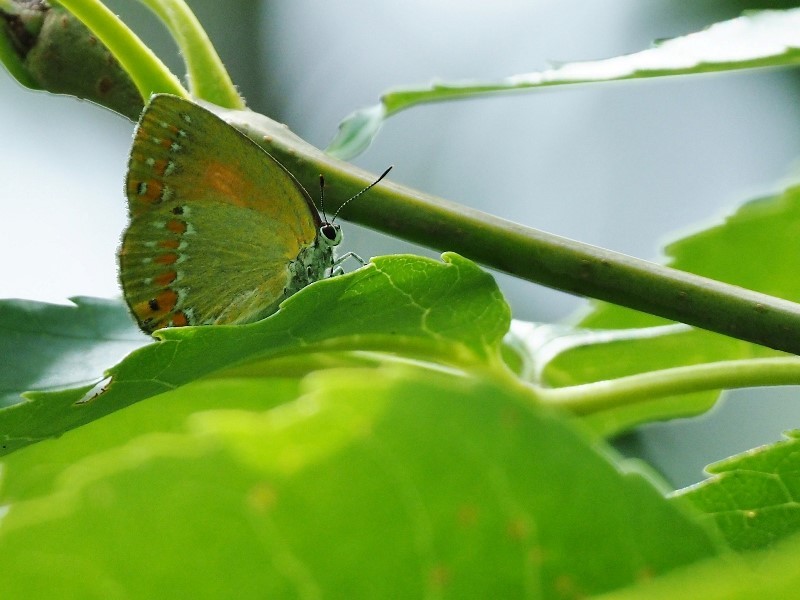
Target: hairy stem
{"points": [[207, 76]]}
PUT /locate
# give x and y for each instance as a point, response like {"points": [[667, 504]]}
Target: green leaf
{"points": [[772, 575], [741, 250], [46, 346], [451, 313], [756, 39], [357, 131], [399, 482], [752, 497]]}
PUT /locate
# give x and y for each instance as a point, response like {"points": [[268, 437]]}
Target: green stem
{"points": [[148, 73], [208, 78], [603, 395]]}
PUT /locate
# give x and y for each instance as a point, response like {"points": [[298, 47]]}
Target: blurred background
{"points": [[627, 166]]}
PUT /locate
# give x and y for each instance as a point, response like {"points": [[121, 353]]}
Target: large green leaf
{"points": [[452, 313], [770, 575], [752, 497], [756, 39], [388, 482]]}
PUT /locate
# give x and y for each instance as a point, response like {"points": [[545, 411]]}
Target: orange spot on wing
{"points": [[157, 308], [166, 278], [166, 259], [152, 190], [176, 226], [170, 244], [160, 166], [153, 193], [228, 182], [179, 319], [167, 300]]}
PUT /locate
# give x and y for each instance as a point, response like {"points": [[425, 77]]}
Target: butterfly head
{"points": [[330, 234]]}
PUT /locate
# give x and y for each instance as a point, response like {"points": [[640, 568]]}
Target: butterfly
{"points": [[220, 232]]}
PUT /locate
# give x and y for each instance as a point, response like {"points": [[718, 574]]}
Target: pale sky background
{"points": [[624, 166]]}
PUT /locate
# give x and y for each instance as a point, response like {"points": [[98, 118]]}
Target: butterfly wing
{"points": [[215, 221]]}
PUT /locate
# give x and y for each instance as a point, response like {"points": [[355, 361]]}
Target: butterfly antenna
{"points": [[366, 189], [322, 197]]}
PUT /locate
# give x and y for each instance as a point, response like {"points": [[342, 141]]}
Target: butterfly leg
{"points": [[336, 268]]}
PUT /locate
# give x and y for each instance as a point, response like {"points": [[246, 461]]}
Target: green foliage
{"points": [[389, 433], [753, 497], [741, 250], [453, 313], [48, 346], [756, 39], [429, 483], [770, 574]]}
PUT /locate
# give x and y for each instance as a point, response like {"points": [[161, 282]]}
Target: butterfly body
{"points": [[220, 232]]}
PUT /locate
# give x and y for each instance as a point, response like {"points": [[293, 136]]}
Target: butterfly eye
{"points": [[331, 234]]}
